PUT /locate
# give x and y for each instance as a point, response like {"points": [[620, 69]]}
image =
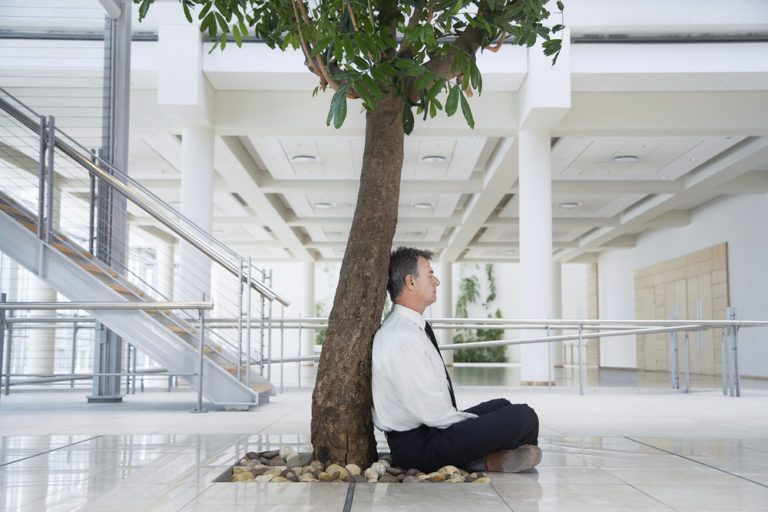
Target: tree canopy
{"points": [[417, 49]]}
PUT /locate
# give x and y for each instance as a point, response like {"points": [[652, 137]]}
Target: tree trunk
{"points": [[342, 423]]}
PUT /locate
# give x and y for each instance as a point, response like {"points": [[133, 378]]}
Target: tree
{"points": [[395, 56]]}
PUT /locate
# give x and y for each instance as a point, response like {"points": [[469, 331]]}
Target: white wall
{"points": [[738, 220]]}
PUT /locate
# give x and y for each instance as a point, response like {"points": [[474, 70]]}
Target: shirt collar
{"points": [[410, 314]]}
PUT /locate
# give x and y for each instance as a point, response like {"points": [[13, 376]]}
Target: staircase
{"points": [[171, 339]]}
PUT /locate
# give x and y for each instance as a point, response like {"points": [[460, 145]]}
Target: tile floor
{"points": [[605, 451]]}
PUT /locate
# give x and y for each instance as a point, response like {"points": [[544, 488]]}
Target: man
{"points": [[413, 400]]}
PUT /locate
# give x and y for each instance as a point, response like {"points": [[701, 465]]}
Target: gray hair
{"points": [[403, 261]]}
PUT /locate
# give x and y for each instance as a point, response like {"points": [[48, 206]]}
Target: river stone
{"points": [[274, 472], [359, 479], [327, 477], [412, 472], [379, 468], [277, 461], [456, 478], [299, 460], [392, 470], [240, 469], [252, 455], [279, 479], [448, 470], [242, 477], [387, 479], [316, 465], [264, 478], [353, 469], [336, 469], [435, 477], [482, 480], [371, 475], [271, 454], [286, 452], [260, 470], [292, 477], [308, 477], [385, 462], [410, 479]]}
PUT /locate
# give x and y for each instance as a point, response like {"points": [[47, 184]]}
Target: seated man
{"points": [[413, 400]]}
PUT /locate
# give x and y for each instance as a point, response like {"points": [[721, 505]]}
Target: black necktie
{"points": [[431, 335]]}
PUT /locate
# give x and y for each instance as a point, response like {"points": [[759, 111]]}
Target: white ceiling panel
{"points": [[657, 158]]}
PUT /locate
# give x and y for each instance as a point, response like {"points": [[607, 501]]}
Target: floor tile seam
{"points": [[701, 463], [347, 507], [503, 499], [654, 498], [51, 450]]}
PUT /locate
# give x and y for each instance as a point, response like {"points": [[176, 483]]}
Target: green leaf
{"points": [[452, 103], [187, 14], [560, 5], [236, 34], [338, 110], [467, 111]]}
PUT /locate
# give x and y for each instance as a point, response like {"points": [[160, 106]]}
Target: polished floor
{"points": [[616, 451]]}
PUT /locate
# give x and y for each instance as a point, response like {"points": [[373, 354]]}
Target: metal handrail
{"points": [[20, 306], [147, 201]]}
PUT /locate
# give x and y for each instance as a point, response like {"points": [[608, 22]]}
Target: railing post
{"points": [[49, 176], [301, 324], [248, 330], [8, 353], [269, 333], [675, 361], [240, 321], [723, 361], [2, 335], [92, 207], [549, 358], [733, 330], [261, 329], [581, 346], [687, 365], [282, 344], [201, 356], [74, 352], [41, 177]]}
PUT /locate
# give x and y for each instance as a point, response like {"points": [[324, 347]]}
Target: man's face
{"points": [[425, 284]]}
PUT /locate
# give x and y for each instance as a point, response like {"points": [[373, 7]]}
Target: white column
{"points": [[41, 343], [536, 271], [556, 349], [194, 276], [445, 303], [308, 310]]}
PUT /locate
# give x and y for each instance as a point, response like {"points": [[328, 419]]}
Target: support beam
{"points": [[272, 186], [238, 168], [499, 177]]}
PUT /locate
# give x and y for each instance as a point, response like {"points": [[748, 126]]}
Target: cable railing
{"points": [[5, 307], [60, 187]]}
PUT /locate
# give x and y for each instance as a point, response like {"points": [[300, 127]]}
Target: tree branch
{"points": [[317, 64], [497, 47]]}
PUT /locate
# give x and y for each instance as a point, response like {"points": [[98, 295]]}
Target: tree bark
{"points": [[342, 422]]}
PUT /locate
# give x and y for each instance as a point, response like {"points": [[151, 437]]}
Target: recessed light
{"points": [[324, 205], [304, 158], [625, 159], [568, 205], [433, 159], [423, 206]]}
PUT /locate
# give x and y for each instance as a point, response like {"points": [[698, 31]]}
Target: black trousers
{"points": [[500, 425]]}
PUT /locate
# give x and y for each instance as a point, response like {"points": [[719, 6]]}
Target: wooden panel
{"points": [[674, 288]]}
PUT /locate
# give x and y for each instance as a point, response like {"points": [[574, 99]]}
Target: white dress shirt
{"points": [[409, 383]]}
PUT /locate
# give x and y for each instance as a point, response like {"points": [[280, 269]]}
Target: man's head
{"points": [[412, 282]]}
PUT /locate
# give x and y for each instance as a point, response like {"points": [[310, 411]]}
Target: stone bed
{"points": [[285, 465]]}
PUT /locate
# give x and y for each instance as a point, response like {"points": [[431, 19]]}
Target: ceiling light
{"points": [[423, 206], [433, 159], [304, 158], [324, 205], [625, 159], [568, 205]]}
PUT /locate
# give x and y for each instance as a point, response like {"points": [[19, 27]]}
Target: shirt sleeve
{"points": [[423, 389]]}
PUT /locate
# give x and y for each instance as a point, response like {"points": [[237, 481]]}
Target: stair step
{"points": [[178, 329], [264, 387], [96, 269]]}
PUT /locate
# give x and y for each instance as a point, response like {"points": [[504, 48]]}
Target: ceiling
{"points": [[652, 132]]}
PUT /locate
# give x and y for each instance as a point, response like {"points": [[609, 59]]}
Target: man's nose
{"points": [[437, 281]]}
